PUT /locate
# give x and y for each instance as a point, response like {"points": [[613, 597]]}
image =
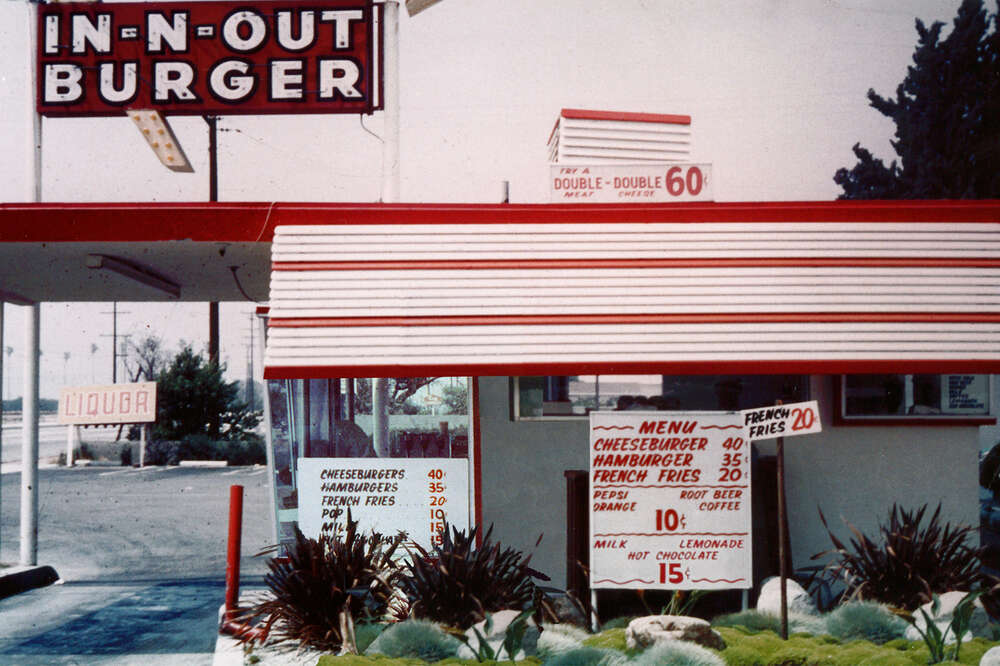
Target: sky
{"points": [[775, 88]]}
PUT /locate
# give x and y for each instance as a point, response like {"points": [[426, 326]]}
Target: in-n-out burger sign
{"points": [[208, 57]]}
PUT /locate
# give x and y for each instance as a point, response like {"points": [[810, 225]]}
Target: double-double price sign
{"points": [[670, 494]]}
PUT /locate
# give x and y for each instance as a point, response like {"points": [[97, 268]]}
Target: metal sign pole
{"points": [[782, 535]]}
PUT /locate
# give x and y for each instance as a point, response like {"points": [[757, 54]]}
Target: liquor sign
{"points": [[388, 495], [618, 183], [105, 405], [670, 501], [99, 59], [800, 418]]}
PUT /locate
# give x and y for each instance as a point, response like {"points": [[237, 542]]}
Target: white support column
{"points": [[390, 191], [29, 439], [72, 439], [35, 148], [380, 416], [390, 102]]}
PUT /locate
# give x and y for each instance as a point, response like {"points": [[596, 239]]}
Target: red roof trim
{"points": [[626, 116], [253, 222], [655, 318], [717, 262], [805, 367]]}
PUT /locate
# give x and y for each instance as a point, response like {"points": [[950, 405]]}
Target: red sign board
{"points": [[98, 59]]}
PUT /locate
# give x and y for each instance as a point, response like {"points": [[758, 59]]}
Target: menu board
{"points": [[670, 500], [388, 495]]}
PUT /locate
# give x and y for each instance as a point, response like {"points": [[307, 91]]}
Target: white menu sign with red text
{"points": [[670, 501]]}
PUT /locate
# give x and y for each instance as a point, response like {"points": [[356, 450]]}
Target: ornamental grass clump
{"points": [[909, 563], [865, 620], [457, 583], [324, 585]]}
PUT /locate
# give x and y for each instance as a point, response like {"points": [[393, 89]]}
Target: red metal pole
{"points": [[233, 552]]}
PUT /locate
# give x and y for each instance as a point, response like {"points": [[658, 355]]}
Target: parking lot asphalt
{"points": [[141, 554]]}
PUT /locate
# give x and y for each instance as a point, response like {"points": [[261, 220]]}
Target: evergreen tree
{"points": [[947, 116], [194, 399]]}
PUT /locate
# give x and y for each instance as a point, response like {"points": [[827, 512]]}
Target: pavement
{"points": [[156, 622], [141, 554]]}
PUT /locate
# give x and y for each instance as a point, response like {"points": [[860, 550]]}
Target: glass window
{"points": [[576, 396], [332, 418], [914, 396]]}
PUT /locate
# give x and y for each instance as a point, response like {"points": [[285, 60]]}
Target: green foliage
{"points": [[682, 601], [201, 447], [558, 638], [754, 621], [323, 586], [909, 564], [457, 584], [864, 620], [194, 399], [936, 639], [617, 622], [751, 620], [365, 634], [483, 651], [612, 639], [677, 653], [588, 656], [947, 117], [415, 638]]}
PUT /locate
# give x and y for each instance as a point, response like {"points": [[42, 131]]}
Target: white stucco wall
{"points": [[854, 472]]}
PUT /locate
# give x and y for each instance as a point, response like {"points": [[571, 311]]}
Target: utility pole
{"points": [[114, 340], [249, 357], [213, 195]]}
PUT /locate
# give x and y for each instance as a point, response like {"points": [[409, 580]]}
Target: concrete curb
{"points": [[21, 579]]}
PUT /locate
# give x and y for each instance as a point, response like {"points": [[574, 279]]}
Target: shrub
{"points": [[613, 639], [588, 656], [865, 620], [677, 653], [754, 621], [324, 585], [911, 563], [415, 638], [249, 451], [457, 584], [558, 638]]}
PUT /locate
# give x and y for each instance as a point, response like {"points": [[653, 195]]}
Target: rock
{"points": [[799, 601], [979, 625], [991, 657], [643, 632], [497, 635]]}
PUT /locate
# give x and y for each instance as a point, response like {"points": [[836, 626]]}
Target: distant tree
{"points": [[947, 116], [401, 389], [148, 357], [193, 399], [456, 398]]}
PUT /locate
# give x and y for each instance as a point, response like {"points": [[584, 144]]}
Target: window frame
{"points": [[842, 418]]}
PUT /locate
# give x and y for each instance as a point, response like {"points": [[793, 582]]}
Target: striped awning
{"points": [[715, 288]]}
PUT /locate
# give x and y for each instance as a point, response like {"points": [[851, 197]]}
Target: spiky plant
{"points": [[324, 585], [909, 563], [456, 583]]}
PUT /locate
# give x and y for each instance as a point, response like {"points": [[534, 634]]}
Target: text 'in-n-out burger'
{"points": [[198, 57]]}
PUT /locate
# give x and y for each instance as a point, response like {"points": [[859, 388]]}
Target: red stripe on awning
{"points": [[658, 318], [719, 262], [708, 367]]}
